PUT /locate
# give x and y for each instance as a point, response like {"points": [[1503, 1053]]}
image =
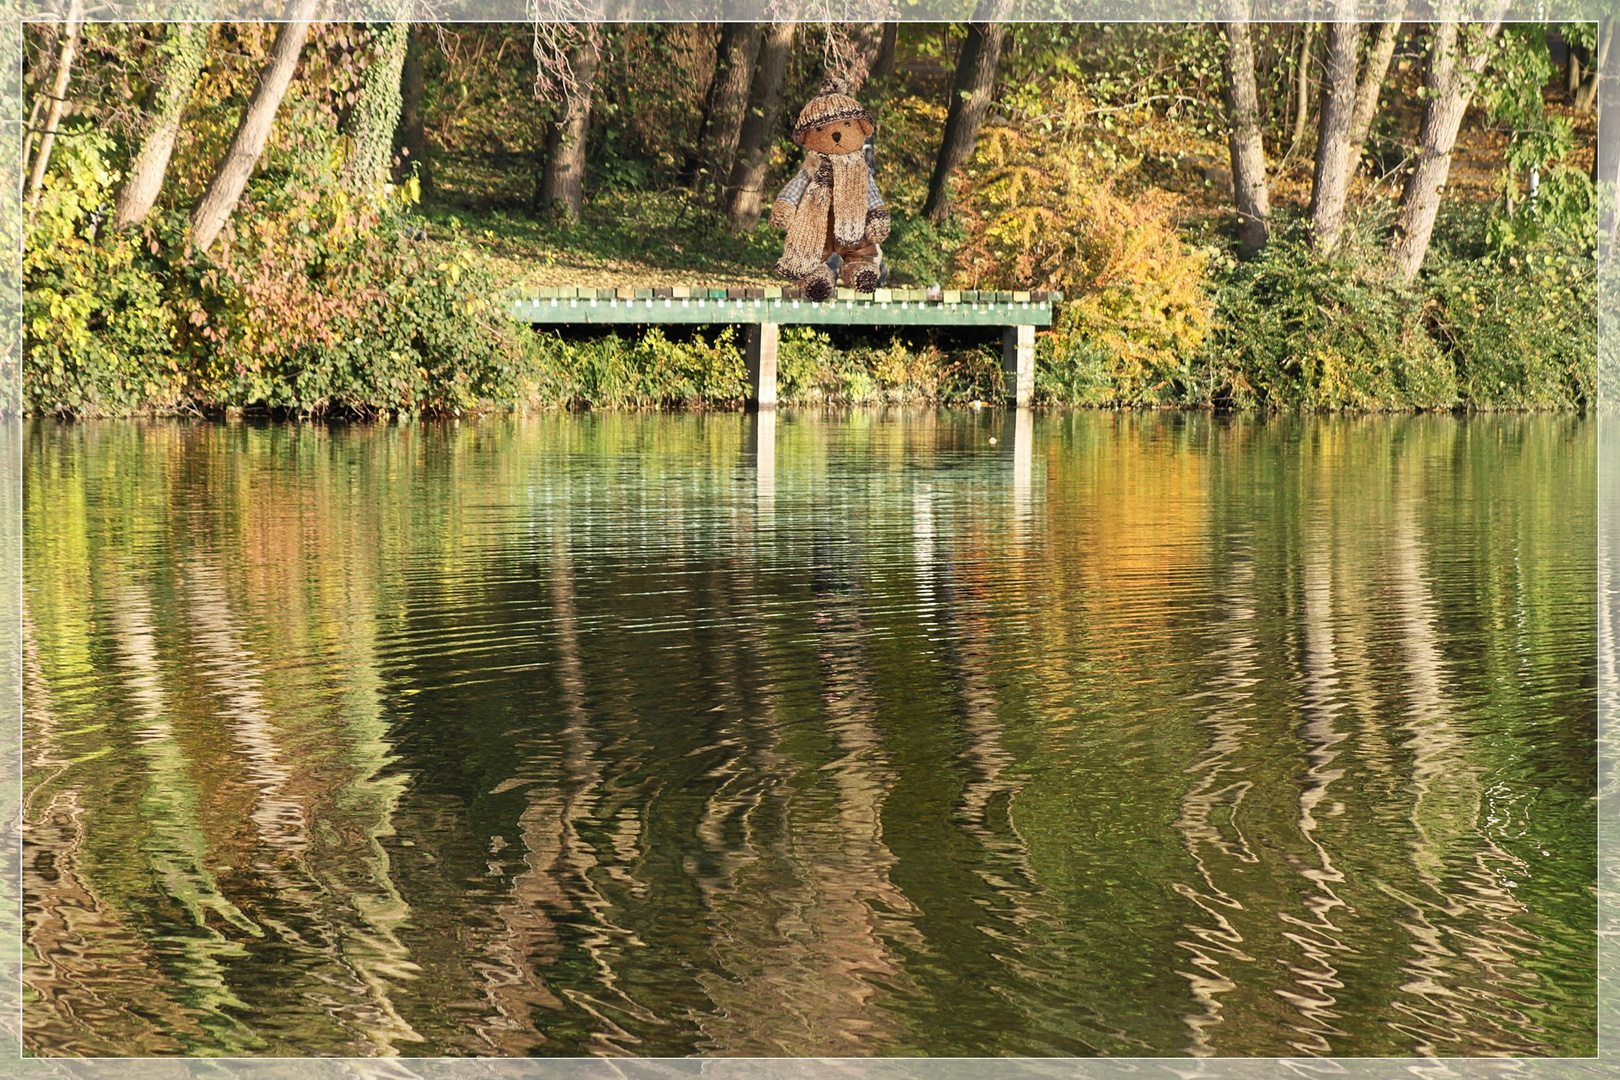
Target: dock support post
{"points": [[1018, 361], [761, 354]]}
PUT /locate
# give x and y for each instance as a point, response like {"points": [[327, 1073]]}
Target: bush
{"points": [[811, 370], [1522, 329], [1050, 209], [99, 336], [652, 371], [1294, 329]]}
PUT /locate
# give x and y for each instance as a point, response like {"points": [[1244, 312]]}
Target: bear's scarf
{"points": [[837, 182]]}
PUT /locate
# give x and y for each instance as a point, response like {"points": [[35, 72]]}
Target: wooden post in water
{"points": [[761, 353], [1018, 360]]}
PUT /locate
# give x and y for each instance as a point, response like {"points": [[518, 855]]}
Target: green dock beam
{"points": [[761, 341], [1018, 360]]}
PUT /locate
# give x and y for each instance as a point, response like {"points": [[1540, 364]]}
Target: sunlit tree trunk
{"points": [[1372, 84], [375, 117], [187, 47], [1302, 85], [69, 46], [745, 189], [562, 184], [727, 101], [1249, 192], [1454, 69], [970, 103], [214, 209], [1330, 183], [410, 141]]}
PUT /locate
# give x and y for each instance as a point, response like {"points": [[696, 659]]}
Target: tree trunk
{"points": [[727, 101], [867, 39], [562, 185], [1249, 192], [745, 188], [1330, 183], [1448, 84], [970, 102], [1302, 86], [1587, 94], [375, 117], [1572, 86], [187, 46], [58, 102], [883, 66], [1372, 84], [1606, 164], [52, 38], [230, 179], [410, 141]]}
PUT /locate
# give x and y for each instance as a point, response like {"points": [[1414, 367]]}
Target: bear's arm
{"points": [[782, 214], [877, 215]]}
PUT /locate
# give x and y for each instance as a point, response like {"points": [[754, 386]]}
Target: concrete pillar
{"points": [[1018, 361], [761, 352]]}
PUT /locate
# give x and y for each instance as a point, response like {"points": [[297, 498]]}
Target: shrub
{"points": [[648, 372], [99, 337], [1298, 330], [1048, 209]]}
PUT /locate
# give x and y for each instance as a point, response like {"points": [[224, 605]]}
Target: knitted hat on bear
{"points": [[830, 106]]}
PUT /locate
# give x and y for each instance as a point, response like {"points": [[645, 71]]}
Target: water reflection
{"points": [[841, 735]]}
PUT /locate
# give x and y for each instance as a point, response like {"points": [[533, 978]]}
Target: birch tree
{"points": [[1330, 182], [185, 47], [1457, 57], [230, 179], [1249, 192]]}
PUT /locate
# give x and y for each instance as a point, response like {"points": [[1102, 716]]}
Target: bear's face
{"points": [[838, 137]]}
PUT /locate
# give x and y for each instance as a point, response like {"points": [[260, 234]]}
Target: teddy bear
{"points": [[832, 205]]}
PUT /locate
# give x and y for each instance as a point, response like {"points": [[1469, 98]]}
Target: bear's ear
{"points": [[868, 128]]}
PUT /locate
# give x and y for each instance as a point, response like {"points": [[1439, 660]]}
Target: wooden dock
{"points": [[764, 311]]}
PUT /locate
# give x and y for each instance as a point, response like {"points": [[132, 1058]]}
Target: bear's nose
{"points": [[838, 136]]}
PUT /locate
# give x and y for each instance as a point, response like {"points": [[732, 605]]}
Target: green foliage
{"points": [[811, 370], [653, 371], [1294, 330], [98, 336], [1522, 329]]}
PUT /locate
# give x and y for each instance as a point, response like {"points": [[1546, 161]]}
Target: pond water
{"points": [[947, 733]]}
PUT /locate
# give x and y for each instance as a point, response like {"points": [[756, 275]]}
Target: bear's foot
{"points": [[818, 286], [860, 275]]}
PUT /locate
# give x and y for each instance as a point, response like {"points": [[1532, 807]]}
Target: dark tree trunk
{"points": [[1330, 183], [745, 188], [562, 184], [1606, 163], [1249, 192], [410, 141], [1372, 84], [187, 48], [868, 43], [69, 46], [1587, 94], [724, 106], [883, 66], [217, 203], [1448, 84], [970, 102]]}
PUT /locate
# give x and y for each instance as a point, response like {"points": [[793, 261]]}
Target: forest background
{"points": [[328, 218]]}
